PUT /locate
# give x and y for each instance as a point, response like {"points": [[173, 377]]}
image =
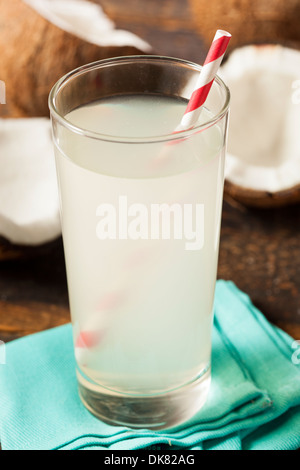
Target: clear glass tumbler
{"points": [[140, 211]]}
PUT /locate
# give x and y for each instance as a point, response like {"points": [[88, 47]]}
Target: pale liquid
{"points": [[144, 307]]}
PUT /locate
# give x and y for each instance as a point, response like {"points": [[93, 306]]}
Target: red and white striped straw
{"points": [[210, 67]]}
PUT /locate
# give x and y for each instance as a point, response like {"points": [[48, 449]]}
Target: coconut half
{"points": [[263, 160], [87, 21], [42, 40], [29, 205]]}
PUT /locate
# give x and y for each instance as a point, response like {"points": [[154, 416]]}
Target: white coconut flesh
{"points": [[29, 206], [87, 21], [264, 130]]}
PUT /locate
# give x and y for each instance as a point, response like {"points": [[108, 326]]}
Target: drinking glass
{"points": [[140, 213]]}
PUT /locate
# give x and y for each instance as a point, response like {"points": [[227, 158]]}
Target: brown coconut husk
{"points": [[249, 21], [262, 199], [35, 54]]}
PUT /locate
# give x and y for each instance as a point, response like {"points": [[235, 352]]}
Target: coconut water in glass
{"points": [[141, 211]]}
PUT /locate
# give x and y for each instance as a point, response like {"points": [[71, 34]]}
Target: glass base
{"points": [[155, 412]]}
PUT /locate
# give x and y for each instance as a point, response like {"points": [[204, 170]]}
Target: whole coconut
{"points": [[35, 54], [249, 21]]}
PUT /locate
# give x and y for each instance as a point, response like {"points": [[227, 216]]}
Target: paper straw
{"points": [[205, 80]]}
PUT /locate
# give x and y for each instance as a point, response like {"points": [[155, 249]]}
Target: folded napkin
{"points": [[254, 402]]}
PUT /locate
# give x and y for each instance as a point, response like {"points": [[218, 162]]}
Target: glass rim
{"points": [[63, 81]]}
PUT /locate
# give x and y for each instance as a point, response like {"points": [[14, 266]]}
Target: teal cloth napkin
{"points": [[254, 402]]}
